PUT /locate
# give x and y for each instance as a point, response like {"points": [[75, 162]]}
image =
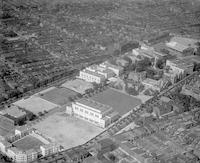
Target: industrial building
{"points": [[94, 112], [99, 73]]}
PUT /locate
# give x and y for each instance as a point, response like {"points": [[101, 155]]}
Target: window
{"points": [[81, 110], [91, 113], [96, 115], [86, 112]]}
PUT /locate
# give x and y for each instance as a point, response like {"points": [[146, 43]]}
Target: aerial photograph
{"points": [[99, 81]]}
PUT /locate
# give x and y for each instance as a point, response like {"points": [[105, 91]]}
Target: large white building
{"points": [[94, 112], [91, 76], [99, 73]]}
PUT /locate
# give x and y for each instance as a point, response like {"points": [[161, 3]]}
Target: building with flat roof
{"points": [[179, 66], [27, 146], [116, 69], [99, 73], [192, 90], [91, 76], [182, 43], [152, 84], [94, 112]]}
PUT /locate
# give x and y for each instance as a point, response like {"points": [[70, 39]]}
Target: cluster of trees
{"points": [[129, 46], [134, 89], [150, 92], [5, 159], [188, 102], [198, 49], [143, 65]]}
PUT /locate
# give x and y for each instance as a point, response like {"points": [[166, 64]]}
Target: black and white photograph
{"points": [[99, 81]]}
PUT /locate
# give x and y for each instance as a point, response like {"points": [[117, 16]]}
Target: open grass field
{"points": [[77, 85], [28, 142], [67, 131], [58, 96], [3, 131], [120, 102], [35, 104]]}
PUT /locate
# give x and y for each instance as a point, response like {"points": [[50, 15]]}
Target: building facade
{"points": [[180, 66], [94, 112], [91, 76]]}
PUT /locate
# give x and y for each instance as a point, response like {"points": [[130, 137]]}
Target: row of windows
{"points": [[90, 77], [88, 119], [87, 112]]}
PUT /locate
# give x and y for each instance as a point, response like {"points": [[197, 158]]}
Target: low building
{"points": [[99, 73], [90, 76], [94, 112], [122, 62], [192, 90], [116, 69], [107, 73], [48, 149], [171, 76], [137, 76], [19, 156], [179, 66], [4, 145], [182, 44], [134, 58], [152, 84], [14, 113]]}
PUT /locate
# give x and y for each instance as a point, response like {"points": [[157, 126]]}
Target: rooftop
{"points": [[177, 46], [93, 73], [112, 66], [99, 107], [185, 41], [13, 111]]}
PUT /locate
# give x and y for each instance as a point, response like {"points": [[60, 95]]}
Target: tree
{"points": [[40, 114], [112, 157], [160, 63], [198, 49], [71, 99], [196, 66], [132, 91], [143, 64]]}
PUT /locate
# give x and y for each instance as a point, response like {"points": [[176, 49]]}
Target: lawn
{"points": [[120, 102], [58, 96], [67, 131], [28, 142], [35, 104]]}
